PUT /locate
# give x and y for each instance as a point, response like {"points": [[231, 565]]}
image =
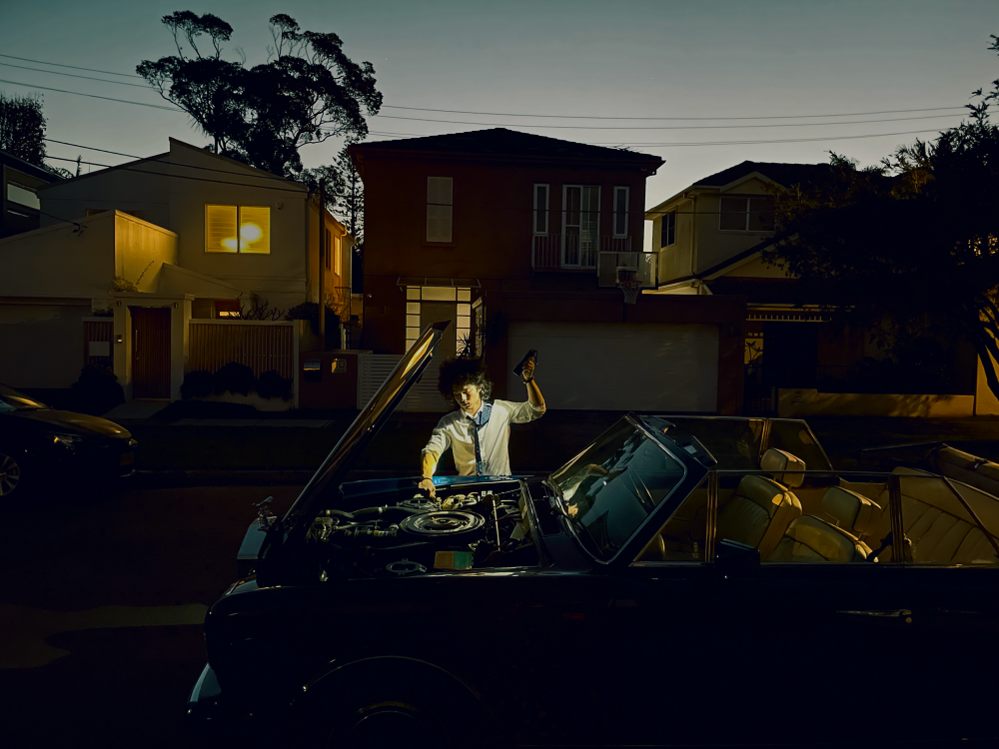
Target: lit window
{"points": [[439, 209], [238, 229], [338, 256]]}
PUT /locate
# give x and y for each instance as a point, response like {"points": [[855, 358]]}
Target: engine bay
{"points": [[463, 528]]}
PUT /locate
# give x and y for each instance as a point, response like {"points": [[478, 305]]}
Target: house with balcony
{"points": [[712, 239], [523, 241], [152, 268]]}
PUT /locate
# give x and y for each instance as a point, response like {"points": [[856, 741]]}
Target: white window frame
{"points": [[440, 209], [616, 213], [541, 211]]}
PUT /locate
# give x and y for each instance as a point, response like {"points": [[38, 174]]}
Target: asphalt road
{"points": [[101, 610]]}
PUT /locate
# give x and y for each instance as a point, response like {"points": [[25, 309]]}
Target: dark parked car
{"points": [[40, 444], [639, 595]]}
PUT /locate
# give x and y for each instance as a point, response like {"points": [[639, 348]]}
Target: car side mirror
{"points": [[735, 558]]}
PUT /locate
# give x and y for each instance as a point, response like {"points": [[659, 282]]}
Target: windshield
{"points": [[12, 400], [614, 485]]}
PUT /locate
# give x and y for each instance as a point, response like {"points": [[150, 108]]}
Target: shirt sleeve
{"points": [[521, 413], [440, 439]]}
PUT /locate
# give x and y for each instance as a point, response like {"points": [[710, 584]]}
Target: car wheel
{"points": [[381, 709], [11, 473]]}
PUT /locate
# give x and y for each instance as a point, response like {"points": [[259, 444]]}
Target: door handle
{"points": [[903, 614]]}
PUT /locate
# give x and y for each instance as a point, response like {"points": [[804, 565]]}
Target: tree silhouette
{"points": [[308, 92], [909, 248]]}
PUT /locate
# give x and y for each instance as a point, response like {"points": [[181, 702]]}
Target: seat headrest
{"points": [[853, 512], [777, 461]]}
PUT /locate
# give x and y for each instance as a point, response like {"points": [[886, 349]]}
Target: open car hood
{"points": [[367, 424]]}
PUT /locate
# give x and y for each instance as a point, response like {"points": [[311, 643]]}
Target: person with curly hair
{"points": [[478, 431]]}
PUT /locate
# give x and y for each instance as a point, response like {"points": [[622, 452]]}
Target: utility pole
{"points": [[323, 249]]}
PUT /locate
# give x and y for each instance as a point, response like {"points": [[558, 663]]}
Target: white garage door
{"points": [[621, 367]]}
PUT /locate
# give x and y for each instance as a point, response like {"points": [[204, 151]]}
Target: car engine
{"points": [[455, 531]]}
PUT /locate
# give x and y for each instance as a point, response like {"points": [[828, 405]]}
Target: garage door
{"points": [[622, 366]]}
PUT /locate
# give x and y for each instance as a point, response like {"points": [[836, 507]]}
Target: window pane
{"points": [[412, 308], [413, 320], [682, 539], [464, 295], [464, 322], [220, 228], [464, 309], [413, 292], [22, 195], [761, 216], [439, 223], [733, 214], [439, 293], [255, 229]]}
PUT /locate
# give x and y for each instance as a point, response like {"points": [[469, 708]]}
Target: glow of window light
{"points": [[230, 244], [250, 232]]}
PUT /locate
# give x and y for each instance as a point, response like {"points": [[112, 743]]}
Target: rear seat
{"points": [[938, 526], [812, 539]]}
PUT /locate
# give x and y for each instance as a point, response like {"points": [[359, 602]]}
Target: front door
{"points": [[150, 352]]}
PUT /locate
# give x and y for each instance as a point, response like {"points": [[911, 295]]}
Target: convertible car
{"points": [[642, 594]]}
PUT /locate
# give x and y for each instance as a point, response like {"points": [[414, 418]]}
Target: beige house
{"points": [[134, 265], [711, 239]]}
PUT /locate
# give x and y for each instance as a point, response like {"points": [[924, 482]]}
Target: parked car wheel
{"points": [[380, 708], [11, 474]]}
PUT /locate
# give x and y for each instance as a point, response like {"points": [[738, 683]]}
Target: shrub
{"points": [[273, 385], [197, 384], [97, 390], [234, 377]]}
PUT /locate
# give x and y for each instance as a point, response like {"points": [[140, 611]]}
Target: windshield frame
{"points": [[658, 515]]}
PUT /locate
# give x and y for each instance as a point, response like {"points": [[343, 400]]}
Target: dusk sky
{"points": [[676, 74]]}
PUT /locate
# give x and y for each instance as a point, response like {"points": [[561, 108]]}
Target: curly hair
{"points": [[456, 373]]}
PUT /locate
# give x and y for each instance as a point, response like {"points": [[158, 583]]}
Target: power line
{"points": [[516, 114], [94, 96], [777, 140], [668, 127], [593, 117], [74, 67], [72, 75]]}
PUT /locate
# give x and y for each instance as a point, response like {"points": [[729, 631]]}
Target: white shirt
{"points": [[455, 429]]}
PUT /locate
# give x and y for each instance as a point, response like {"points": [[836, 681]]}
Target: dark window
{"points": [[747, 214], [668, 230]]}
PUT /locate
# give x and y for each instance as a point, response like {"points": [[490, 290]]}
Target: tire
{"points": [[12, 478], [386, 704]]}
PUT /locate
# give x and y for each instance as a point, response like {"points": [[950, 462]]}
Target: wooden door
{"points": [[150, 352]]}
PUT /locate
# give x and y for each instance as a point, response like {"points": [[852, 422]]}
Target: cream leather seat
{"points": [[936, 522], [761, 509], [812, 539]]}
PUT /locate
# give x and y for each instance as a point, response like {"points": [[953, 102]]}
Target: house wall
{"points": [[714, 245], [139, 188], [60, 261], [140, 249], [41, 341], [493, 210]]}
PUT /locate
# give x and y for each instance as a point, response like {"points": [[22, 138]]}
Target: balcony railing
{"points": [[612, 258]]}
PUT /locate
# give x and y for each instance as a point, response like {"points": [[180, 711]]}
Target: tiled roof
{"points": [[502, 142], [782, 174]]}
